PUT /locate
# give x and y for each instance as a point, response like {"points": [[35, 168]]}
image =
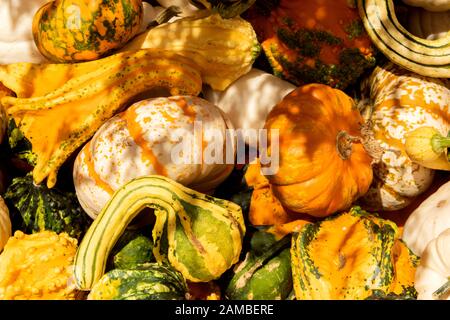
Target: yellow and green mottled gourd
{"points": [[82, 30], [60, 106], [200, 236], [224, 49]]}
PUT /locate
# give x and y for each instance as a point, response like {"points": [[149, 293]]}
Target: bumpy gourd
{"points": [[145, 138], [200, 236], [222, 49], [80, 30], [37, 266], [323, 164], [5, 224], [60, 106], [401, 101], [350, 256]]}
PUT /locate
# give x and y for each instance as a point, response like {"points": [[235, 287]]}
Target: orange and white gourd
{"points": [[148, 139], [402, 101], [16, 38]]}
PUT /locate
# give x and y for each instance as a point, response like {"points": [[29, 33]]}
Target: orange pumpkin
{"points": [[323, 165]]}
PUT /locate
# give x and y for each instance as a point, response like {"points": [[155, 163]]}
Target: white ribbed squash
{"points": [[402, 101], [430, 5], [140, 142], [5, 224], [428, 25]]}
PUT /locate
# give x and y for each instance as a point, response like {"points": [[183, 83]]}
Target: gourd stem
{"points": [[344, 142], [442, 291], [439, 143]]}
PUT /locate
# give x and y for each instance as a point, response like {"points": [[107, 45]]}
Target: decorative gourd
{"points": [[146, 138], [5, 224], [199, 235], [80, 30], [222, 49], [430, 219], [60, 106], [400, 102], [37, 267], [353, 263], [265, 273], [323, 166], [248, 100], [16, 37], [150, 281], [132, 249], [187, 8], [39, 208], [428, 25], [431, 5], [433, 274], [426, 57], [315, 41]]}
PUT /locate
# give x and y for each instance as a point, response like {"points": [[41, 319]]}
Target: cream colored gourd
{"points": [[430, 5], [433, 272], [5, 224], [16, 38], [187, 8], [149, 14], [147, 139], [428, 25], [402, 101], [248, 101], [428, 220]]}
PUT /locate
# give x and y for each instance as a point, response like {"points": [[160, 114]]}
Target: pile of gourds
{"points": [[98, 200]]}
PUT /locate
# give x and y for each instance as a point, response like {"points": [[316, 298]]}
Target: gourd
{"points": [[426, 57], [200, 236], [60, 106], [320, 139], [37, 267], [431, 5], [39, 208], [222, 49], [433, 274], [427, 221], [400, 101], [428, 25], [79, 30], [150, 281], [132, 249], [351, 255], [16, 37], [316, 41], [248, 100], [149, 137], [5, 224], [265, 273]]}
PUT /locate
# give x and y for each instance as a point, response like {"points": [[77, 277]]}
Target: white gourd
{"points": [[145, 140], [428, 25], [430, 5], [248, 101]]}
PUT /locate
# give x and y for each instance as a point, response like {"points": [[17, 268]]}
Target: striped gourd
{"points": [[200, 236], [426, 57], [60, 106]]}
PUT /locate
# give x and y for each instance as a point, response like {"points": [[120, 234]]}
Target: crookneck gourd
{"points": [[351, 256], [181, 137], [200, 236], [81, 30], [314, 41], [400, 101], [223, 49], [60, 106], [426, 57], [323, 163], [37, 267]]}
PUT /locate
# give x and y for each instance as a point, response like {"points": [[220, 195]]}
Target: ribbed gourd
{"points": [[222, 49], [177, 137], [400, 101], [60, 106], [351, 256], [83, 30], [200, 236], [150, 281]]}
